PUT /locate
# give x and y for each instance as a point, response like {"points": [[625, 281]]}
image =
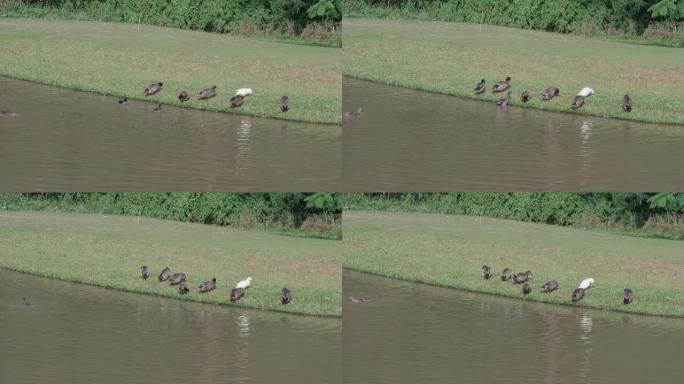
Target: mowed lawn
{"points": [[450, 251], [122, 59], [451, 58], [108, 250]]}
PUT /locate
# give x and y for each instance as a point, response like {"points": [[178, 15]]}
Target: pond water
{"points": [[415, 333], [64, 140], [407, 140], [73, 333]]}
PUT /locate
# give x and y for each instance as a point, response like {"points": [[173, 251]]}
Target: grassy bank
{"points": [[107, 251], [450, 58], [450, 251], [122, 59]]}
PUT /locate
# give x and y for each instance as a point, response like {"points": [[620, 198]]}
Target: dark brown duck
{"points": [[153, 89], [236, 294], [549, 286], [486, 272], [207, 93], [144, 272], [578, 294], [479, 87], [627, 296], [183, 96], [285, 296], [550, 93], [627, 103], [236, 101], [208, 286], [183, 288], [506, 274], [165, 274], [284, 104], [525, 96], [502, 85], [521, 277], [177, 278]]}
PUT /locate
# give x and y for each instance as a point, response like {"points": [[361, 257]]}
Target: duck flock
{"points": [[179, 279], [551, 285], [236, 101], [548, 94]]}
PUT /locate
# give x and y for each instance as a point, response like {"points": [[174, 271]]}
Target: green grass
{"points": [[121, 60], [450, 58], [449, 251], [107, 251]]}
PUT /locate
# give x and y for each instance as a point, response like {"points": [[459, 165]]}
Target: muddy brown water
{"points": [[407, 140], [64, 140], [415, 333], [73, 333]]}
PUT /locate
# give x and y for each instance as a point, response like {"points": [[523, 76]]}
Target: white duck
{"points": [[586, 283], [243, 92], [586, 92], [244, 284]]}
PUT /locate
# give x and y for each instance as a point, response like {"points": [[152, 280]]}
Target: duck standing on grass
{"points": [[183, 96], [207, 286], [177, 278], [284, 104], [579, 99], [503, 102], [586, 283], [183, 288], [244, 284], [236, 101], [525, 96], [486, 272], [578, 294], [207, 93], [627, 296], [243, 92], [526, 289], [236, 294], [506, 274], [627, 103], [144, 272], [521, 277], [153, 89], [285, 296], [549, 286], [502, 85], [165, 274], [550, 93], [479, 87]]}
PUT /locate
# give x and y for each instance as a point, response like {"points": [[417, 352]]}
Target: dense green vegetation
{"points": [[643, 214], [108, 250], [658, 21], [299, 214], [449, 251], [121, 60], [450, 58], [315, 21]]}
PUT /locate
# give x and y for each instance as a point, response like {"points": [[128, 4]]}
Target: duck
{"points": [[356, 113], [153, 89], [526, 289], [585, 92], [502, 85], [207, 93], [25, 302], [244, 284], [236, 294], [521, 277], [208, 286], [165, 274], [8, 114], [486, 272], [183, 288], [284, 104], [183, 96], [627, 296], [358, 300], [586, 283], [550, 93], [285, 296], [244, 92], [578, 294], [124, 101], [578, 103], [627, 103], [158, 108], [479, 87], [549, 286], [525, 96], [506, 274], [144, 272], [177, 278], [236, 101], [503, 102]]}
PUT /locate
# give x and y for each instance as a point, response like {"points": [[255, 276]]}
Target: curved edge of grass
{"points": [[169, 295], [227, 109], [514, 102], [465, 288]]}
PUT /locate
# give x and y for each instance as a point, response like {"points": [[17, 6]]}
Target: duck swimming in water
{"points": [[165, 274], [627, 296], [502, 85], [158, 108], [183, 288], [8, 114], [521, 277], [627, 103], [486, 272], [123, 102], [236, 101], [503, 102], [358, 300], [356, 113], [208, 286], [144, 272], [183, 96], [550, 93], [25, 302], [578, 294], [549, 286], [479, 87], [506, 274], [525, 96], [284, 104], [526, 289], [285, 296], [236, 294], [177, 278], [207, 93], [153, 89]]}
